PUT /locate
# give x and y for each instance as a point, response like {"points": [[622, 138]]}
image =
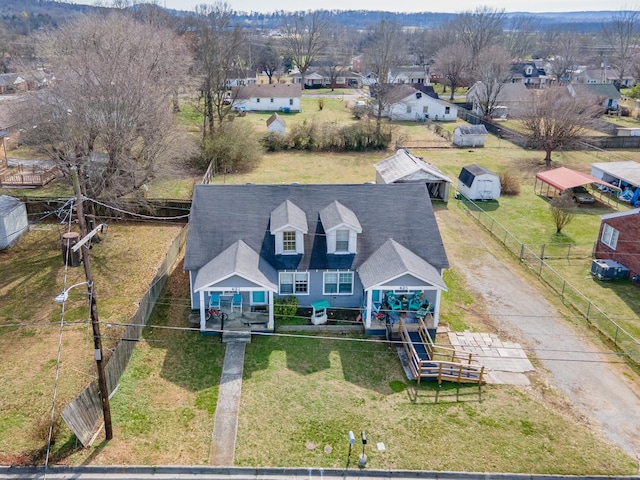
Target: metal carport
{"points": [[563, 178]]}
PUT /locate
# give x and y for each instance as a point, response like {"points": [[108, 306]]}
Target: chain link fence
{"points": [[535, 256]]}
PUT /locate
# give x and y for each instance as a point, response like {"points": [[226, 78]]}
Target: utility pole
{"points": [[95, 323]]}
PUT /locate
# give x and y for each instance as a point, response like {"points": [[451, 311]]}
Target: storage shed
{"points": [[476, 182], [403, 167], [275, 123], [469, 135], [13, 220]]}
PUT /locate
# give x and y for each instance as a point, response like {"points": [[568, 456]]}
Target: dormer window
{"points": [[341, 227], [528, 69], [289, 226]]}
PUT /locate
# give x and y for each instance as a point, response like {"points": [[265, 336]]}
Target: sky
{"points": [[410, 5]]}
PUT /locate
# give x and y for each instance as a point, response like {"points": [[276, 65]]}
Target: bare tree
{"points": [[555, 119], [453, 63], [480, 29], [384, 51], [564, 50], [336, 58], [520, 36], [305, 39], [219, 48], [269, 60], [622, 34], [493, 71], [562, 211], [108, 111]]}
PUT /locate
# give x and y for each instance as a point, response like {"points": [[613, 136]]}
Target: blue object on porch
{"points": [[214, 301], [416, 301], [258, 296], [393, 302], [236, 302]]}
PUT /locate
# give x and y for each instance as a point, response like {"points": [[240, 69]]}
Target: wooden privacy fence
{"points": [[84, 413]]}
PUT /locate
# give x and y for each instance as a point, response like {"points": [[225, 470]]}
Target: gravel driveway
{"points": [[578, 367]]}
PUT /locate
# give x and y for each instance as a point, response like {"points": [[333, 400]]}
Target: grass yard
{"points": [[32, 275], [163, 411]]}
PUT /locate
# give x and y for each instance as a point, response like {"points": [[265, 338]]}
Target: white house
{"points": [[509, 98], [408, 75], [408, 103], [275, 123], [271, 97]]}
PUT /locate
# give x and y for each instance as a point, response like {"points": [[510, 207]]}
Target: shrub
{"points": [[285, 308], [509, 184], [273, 142], [320, 104], [232, 148]]}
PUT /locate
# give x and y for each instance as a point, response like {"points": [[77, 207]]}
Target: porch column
{"points": [[367, 312], [436, 311], [203, 319], [270, 325]]}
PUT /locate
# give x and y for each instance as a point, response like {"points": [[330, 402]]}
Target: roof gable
{"points": [[274, 90], [275, 118], [403, 164], [288, 215], [336, 215]]}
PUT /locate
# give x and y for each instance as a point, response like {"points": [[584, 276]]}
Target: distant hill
{"points": [[52, 12]]}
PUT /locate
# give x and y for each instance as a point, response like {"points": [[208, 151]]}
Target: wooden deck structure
{"points": [[26, 177], [432, 362]]}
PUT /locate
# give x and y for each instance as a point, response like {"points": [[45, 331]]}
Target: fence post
{"points": [[588, 310], [564, 283], [542, 250], [568, 251], [521, 251]]}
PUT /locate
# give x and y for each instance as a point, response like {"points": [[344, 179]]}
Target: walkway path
{"points": [[225, 422]]}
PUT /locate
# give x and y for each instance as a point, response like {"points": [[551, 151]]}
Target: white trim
{"points": [[293, 285], [609, 236]]}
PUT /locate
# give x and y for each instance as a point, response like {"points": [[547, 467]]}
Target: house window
{"points": [[447, 110], [257, 100], [289, 242], [294, 283], [342, 240], [291, 101], [408, 109], [610, 236], [272, 100], [425, 109], [340, 283]]}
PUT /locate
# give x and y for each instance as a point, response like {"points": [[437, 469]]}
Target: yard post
{"points": [[95, 322]]}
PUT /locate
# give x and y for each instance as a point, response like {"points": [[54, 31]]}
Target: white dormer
{"points": [[289, 226], [528, 70], [341, 227]]}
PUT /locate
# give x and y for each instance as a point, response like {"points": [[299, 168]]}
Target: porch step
{"points": [[236, 336]]}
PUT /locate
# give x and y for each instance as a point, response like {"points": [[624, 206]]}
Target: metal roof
{"points": [[403, 164], [563, 178], [629, 171]]}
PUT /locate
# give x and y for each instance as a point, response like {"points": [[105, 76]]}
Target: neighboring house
{"points": [[528, 74], [358, 63], [403, 167], [275, 123], [311, 79], [598, 75], [469, 135], [618, 239], [11, 83], [407, 103], [510, 100], [408, 75], [9, 126], [342, 245], [269, 97], [605, 94], [367, 79], [240, 78]]}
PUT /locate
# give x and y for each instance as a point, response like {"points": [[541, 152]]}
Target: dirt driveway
{"points": [[602, 394]]}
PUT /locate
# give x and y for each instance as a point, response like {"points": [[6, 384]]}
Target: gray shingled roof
{"points": [[274, 90], [8, 204], [238, 259], [403, 165], [392, 260], [336, 214], [604, 90], [223, 214], [288, 214]]}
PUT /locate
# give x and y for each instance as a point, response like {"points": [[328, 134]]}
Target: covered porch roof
{"points": [[563, 178], [237, 260], [392, 261]]}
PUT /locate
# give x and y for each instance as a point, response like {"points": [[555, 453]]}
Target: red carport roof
{"points": [[563, 178]]}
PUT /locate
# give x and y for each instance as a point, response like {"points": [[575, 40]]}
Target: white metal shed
{"points": [[13, 220], [476, 182]]}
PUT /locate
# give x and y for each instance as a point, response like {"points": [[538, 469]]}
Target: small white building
{"points": [[13, 221], [274, 97], [476, 182], [469, 135], [275, 123], [408, 103], [403, 167]]}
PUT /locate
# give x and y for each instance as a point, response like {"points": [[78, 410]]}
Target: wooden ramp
{"points": [[428, 361]]}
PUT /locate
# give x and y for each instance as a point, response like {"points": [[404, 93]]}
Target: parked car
{"points": [[581, 195]]}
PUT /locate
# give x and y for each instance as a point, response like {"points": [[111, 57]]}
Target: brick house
{"points": [[618, 239]]}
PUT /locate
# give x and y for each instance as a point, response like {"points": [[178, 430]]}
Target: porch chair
{"points": [[393, 302], [214, 301], [236, 302], [416, 301]]}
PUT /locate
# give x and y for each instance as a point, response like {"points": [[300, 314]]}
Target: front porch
{"points": [[235, 321]]}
